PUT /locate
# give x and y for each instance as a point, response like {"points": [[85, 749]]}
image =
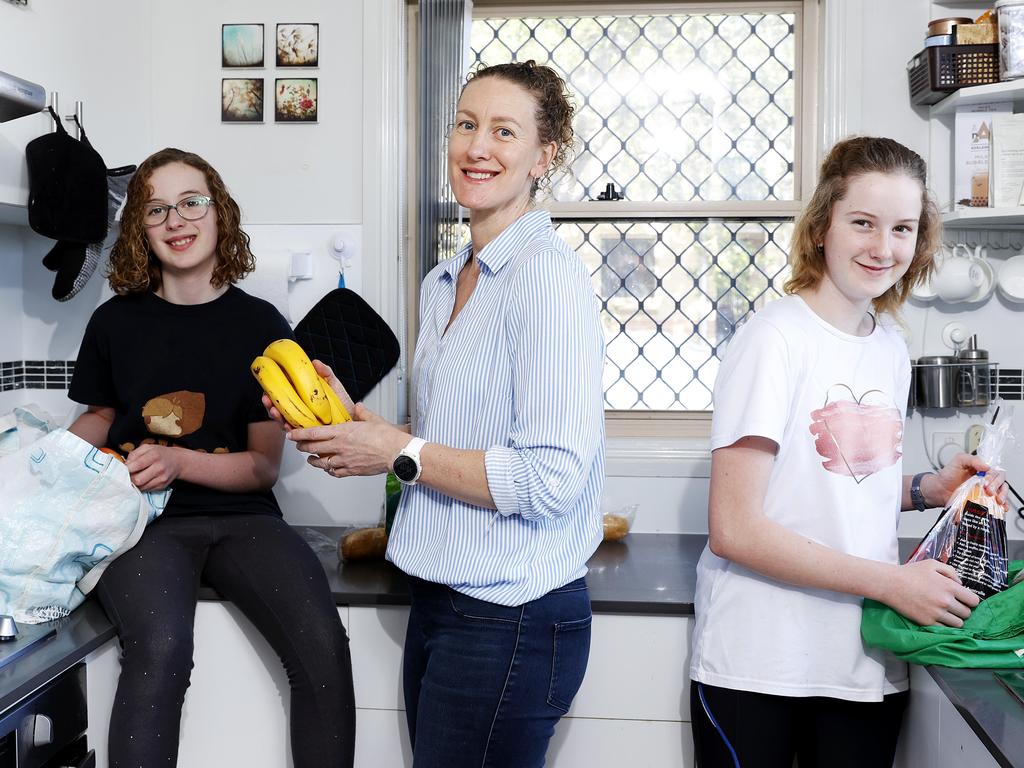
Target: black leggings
{"points": [[264, 567], [768, 731]]}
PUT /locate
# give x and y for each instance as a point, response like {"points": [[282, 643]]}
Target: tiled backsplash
{"points": [[36, 374], [1008, 383]]}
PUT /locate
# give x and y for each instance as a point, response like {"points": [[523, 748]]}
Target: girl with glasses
{"points": [[164, 372]]}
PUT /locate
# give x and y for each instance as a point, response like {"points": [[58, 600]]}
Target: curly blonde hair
{"points": [[134, 268], [846, 160], [554, 111]]}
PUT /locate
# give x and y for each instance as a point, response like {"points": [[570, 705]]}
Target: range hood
{"points": [[19, 97]]}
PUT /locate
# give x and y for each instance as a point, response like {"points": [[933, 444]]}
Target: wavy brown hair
{"points": [[554, 106], [846, 160], [133, 266]]}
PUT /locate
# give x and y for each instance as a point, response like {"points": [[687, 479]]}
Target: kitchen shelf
{"points": [[1010, 90], [984, 218]]}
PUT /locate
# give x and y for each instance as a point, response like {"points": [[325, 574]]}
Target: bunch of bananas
{"points": [[291, 382]]}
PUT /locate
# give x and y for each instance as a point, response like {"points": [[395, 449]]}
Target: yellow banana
{"points": [[270, 376], [303, 376], [338, 413]]}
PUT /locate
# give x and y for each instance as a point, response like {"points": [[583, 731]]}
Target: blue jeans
{"points": [[485, 684]]}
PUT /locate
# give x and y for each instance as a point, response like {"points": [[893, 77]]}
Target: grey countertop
{"points": [[644, 574]]}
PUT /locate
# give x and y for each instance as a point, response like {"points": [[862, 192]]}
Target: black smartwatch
{"points": [[406, 465], [916, 497]]}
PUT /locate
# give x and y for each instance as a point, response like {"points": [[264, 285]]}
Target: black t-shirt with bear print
{"points": [[179, 375]]}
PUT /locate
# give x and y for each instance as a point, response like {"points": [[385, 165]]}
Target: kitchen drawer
{"points": [[48, 727]]}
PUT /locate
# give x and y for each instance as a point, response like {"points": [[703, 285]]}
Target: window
{"points": [[697, 118]]}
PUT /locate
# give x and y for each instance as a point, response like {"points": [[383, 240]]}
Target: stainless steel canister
{"points": [[936, 381], [973, 378]]}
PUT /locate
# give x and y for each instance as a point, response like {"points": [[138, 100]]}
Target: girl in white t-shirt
{"points": [[807, 487]]}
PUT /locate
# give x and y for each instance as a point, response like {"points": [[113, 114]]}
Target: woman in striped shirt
{"points": [[504, 471]]}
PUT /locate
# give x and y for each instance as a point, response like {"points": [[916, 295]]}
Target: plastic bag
{"points": [[66, 511], [618, 523], [970, 534]]}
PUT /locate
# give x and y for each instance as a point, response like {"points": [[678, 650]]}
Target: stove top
{"points": [[29, 636]]}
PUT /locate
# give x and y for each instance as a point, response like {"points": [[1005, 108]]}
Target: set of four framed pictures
{"points": [[295, 98]]}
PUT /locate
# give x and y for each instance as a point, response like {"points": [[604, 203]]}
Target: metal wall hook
{"points": [[76, 118]]}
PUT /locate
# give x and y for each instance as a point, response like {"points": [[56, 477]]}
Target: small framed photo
{"points": [[241, 45], [295, 100], [241, 100], [298, 45]]}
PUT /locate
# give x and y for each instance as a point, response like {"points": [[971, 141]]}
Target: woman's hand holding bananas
{"points": [[365, 446]]}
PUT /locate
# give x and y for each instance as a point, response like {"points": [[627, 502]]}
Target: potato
{"points": [[615, 527], [363, 544]]}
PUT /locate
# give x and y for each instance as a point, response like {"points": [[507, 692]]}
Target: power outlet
{"points": [[974, 434], [945, 444]]}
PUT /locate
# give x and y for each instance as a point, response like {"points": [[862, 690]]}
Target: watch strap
{"points": [[412, 451], [916, 497], [412, 448]]}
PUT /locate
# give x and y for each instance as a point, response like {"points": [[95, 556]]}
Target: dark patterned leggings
{"points": [[266, 569]]}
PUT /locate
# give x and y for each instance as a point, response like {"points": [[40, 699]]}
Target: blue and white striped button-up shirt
{"points": [[517, 375]]}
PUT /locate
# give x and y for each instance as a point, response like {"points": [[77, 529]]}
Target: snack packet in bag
{"points": [[970, 534]]}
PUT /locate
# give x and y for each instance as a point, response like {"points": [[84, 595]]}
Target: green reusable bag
{"points": [[991, 638]]}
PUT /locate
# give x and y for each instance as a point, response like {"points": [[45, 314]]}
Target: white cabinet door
{"points": [[617, 743], [377, 637], [934, 734], [638, 669]]}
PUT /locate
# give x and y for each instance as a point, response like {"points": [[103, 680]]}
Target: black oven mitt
{"points": [[345, 332]]}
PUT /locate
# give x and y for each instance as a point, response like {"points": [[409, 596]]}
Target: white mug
{"points": [[957, 278]]}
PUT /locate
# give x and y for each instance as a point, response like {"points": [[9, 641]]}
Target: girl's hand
{"points": [[938, 488], [929, 592], [366, 446], [154, 467]]}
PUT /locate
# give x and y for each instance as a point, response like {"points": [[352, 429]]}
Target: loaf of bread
{"points": [[363, 544], [615, 527]]}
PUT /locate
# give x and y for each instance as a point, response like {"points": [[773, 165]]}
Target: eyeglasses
{"points": [[191, 209]]}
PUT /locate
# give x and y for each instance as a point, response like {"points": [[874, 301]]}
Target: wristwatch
{"points": [[406, 466], [916, 497]]}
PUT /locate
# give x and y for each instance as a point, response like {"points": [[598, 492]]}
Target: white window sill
{"points": [[658, 457]]}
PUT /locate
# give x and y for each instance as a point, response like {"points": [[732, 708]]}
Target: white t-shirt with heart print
{"points": [[835, 405]]}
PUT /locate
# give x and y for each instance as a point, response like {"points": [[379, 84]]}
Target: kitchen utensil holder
{"points": [[957, 370]]}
